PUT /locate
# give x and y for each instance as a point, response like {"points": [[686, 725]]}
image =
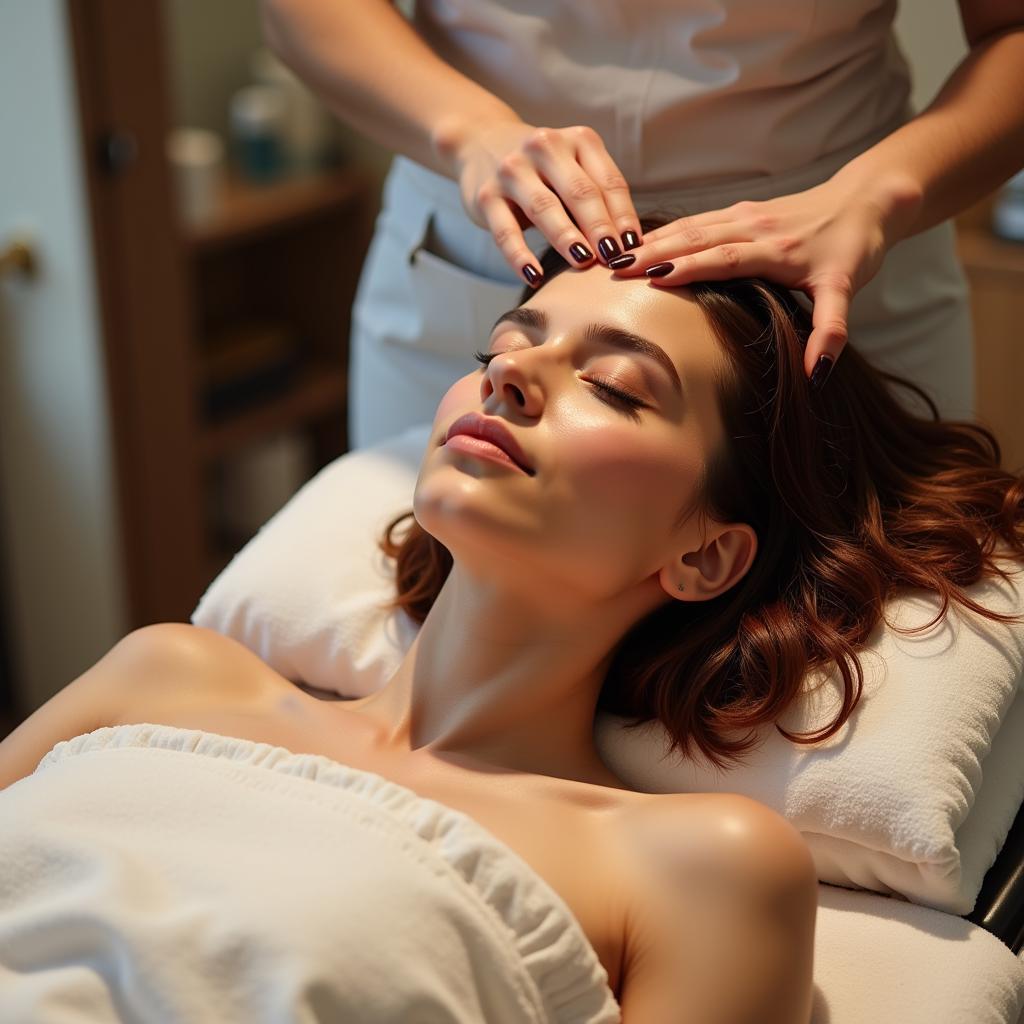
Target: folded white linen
{"points": [[158, 873], [879, 959], [886, 804], [152, 872]]}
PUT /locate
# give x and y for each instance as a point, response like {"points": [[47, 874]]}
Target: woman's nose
{"points": [[512, 380]]}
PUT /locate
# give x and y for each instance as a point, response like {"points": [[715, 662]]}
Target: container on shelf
{"points": [[1008, 211], [198, 165], [257, 132], [306, 129]]}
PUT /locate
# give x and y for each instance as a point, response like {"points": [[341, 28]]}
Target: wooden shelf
{"points": [[321, 389], [979, 249], [249, 210], [287, 253]]}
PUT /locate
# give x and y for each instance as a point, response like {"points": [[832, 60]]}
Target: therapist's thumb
{"points": [[829, 333]]}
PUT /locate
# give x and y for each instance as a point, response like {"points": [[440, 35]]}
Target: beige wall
{"points": [[931, 37], [209, 48]]}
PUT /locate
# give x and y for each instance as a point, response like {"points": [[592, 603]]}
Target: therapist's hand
{"points": [[827, 242], [513, 175]]}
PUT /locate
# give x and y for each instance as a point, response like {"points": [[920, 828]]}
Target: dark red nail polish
{"points": [[822, 368], [660, 269], [580, 253], [627, 259], [609, 248], [630, 239], [532, 275]]}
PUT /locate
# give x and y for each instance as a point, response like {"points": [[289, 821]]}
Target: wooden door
{"points": [[124, 98]]}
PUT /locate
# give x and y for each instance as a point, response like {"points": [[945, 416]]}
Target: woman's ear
{"points": [[714, 568]]}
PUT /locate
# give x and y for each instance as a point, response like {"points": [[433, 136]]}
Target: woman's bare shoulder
{"points": [[164, 665], [691, 830], [178, 663], [705, 868]]}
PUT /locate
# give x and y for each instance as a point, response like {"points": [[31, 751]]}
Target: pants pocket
{"points": [[456, 307]]}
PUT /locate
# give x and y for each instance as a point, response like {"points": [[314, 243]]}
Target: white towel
{"points": [[153, 873], [878, 960]]}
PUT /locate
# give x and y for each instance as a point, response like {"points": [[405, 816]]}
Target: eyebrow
{"points": [[602, 334]]}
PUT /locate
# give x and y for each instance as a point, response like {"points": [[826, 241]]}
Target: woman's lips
{"points": [[478, 446], [492, 430]]}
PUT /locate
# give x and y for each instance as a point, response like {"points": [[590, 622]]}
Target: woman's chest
{"points": [[572, 847]]}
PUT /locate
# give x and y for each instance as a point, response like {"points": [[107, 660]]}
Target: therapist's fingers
{"points": [[508, 233], [513, 175], [696, 222], [682, 242], [830, 330], [556, 193], [567, 191], [732, 259], [593, 156], [521, 184]]}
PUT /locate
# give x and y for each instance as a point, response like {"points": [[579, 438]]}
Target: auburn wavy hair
{"points": [[852, 497]]}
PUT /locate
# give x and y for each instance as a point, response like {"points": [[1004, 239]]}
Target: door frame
{"points": [[144, 301]]}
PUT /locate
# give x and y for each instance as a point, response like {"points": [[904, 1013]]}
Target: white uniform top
{"points": [[686, 94]]}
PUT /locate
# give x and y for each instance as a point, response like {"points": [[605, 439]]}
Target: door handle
{"points": [[118, 150], [18, 258]]}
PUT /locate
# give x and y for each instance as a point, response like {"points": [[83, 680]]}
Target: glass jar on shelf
{"points": [[1008, 211]]}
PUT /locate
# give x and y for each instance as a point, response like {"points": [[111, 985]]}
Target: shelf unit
{"points": [[282, 255], [247, 211], [263, 289]]}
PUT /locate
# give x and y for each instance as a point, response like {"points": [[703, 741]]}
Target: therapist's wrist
{"points": [[894, 195], [452, 134]]}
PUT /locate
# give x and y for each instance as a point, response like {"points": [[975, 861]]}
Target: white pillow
{"points": [[883, 805]]}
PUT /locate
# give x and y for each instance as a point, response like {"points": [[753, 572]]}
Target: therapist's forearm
{"points": [[372, 69], [964, 145]]}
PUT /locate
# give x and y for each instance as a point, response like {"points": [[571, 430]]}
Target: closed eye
{"points": [[622, 400]]}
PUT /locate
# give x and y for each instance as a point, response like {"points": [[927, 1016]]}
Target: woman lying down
{"points": [[664, 524]]}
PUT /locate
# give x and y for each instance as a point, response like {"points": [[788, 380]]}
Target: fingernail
{"points": [[609, 248], [532, 275], [630, 239], [580, 253], [660, 269], [822, 369], [625, 260]]}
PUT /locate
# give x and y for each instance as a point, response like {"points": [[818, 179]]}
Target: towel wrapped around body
{"points": [[154, 873]]}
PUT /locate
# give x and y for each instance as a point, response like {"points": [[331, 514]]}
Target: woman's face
{"points": [[609, 480]]}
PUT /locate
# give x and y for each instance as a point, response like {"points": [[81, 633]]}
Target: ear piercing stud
{"points": [[681, 587]]}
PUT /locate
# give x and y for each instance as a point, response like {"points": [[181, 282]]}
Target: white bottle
{"points": [[197, 157]]}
